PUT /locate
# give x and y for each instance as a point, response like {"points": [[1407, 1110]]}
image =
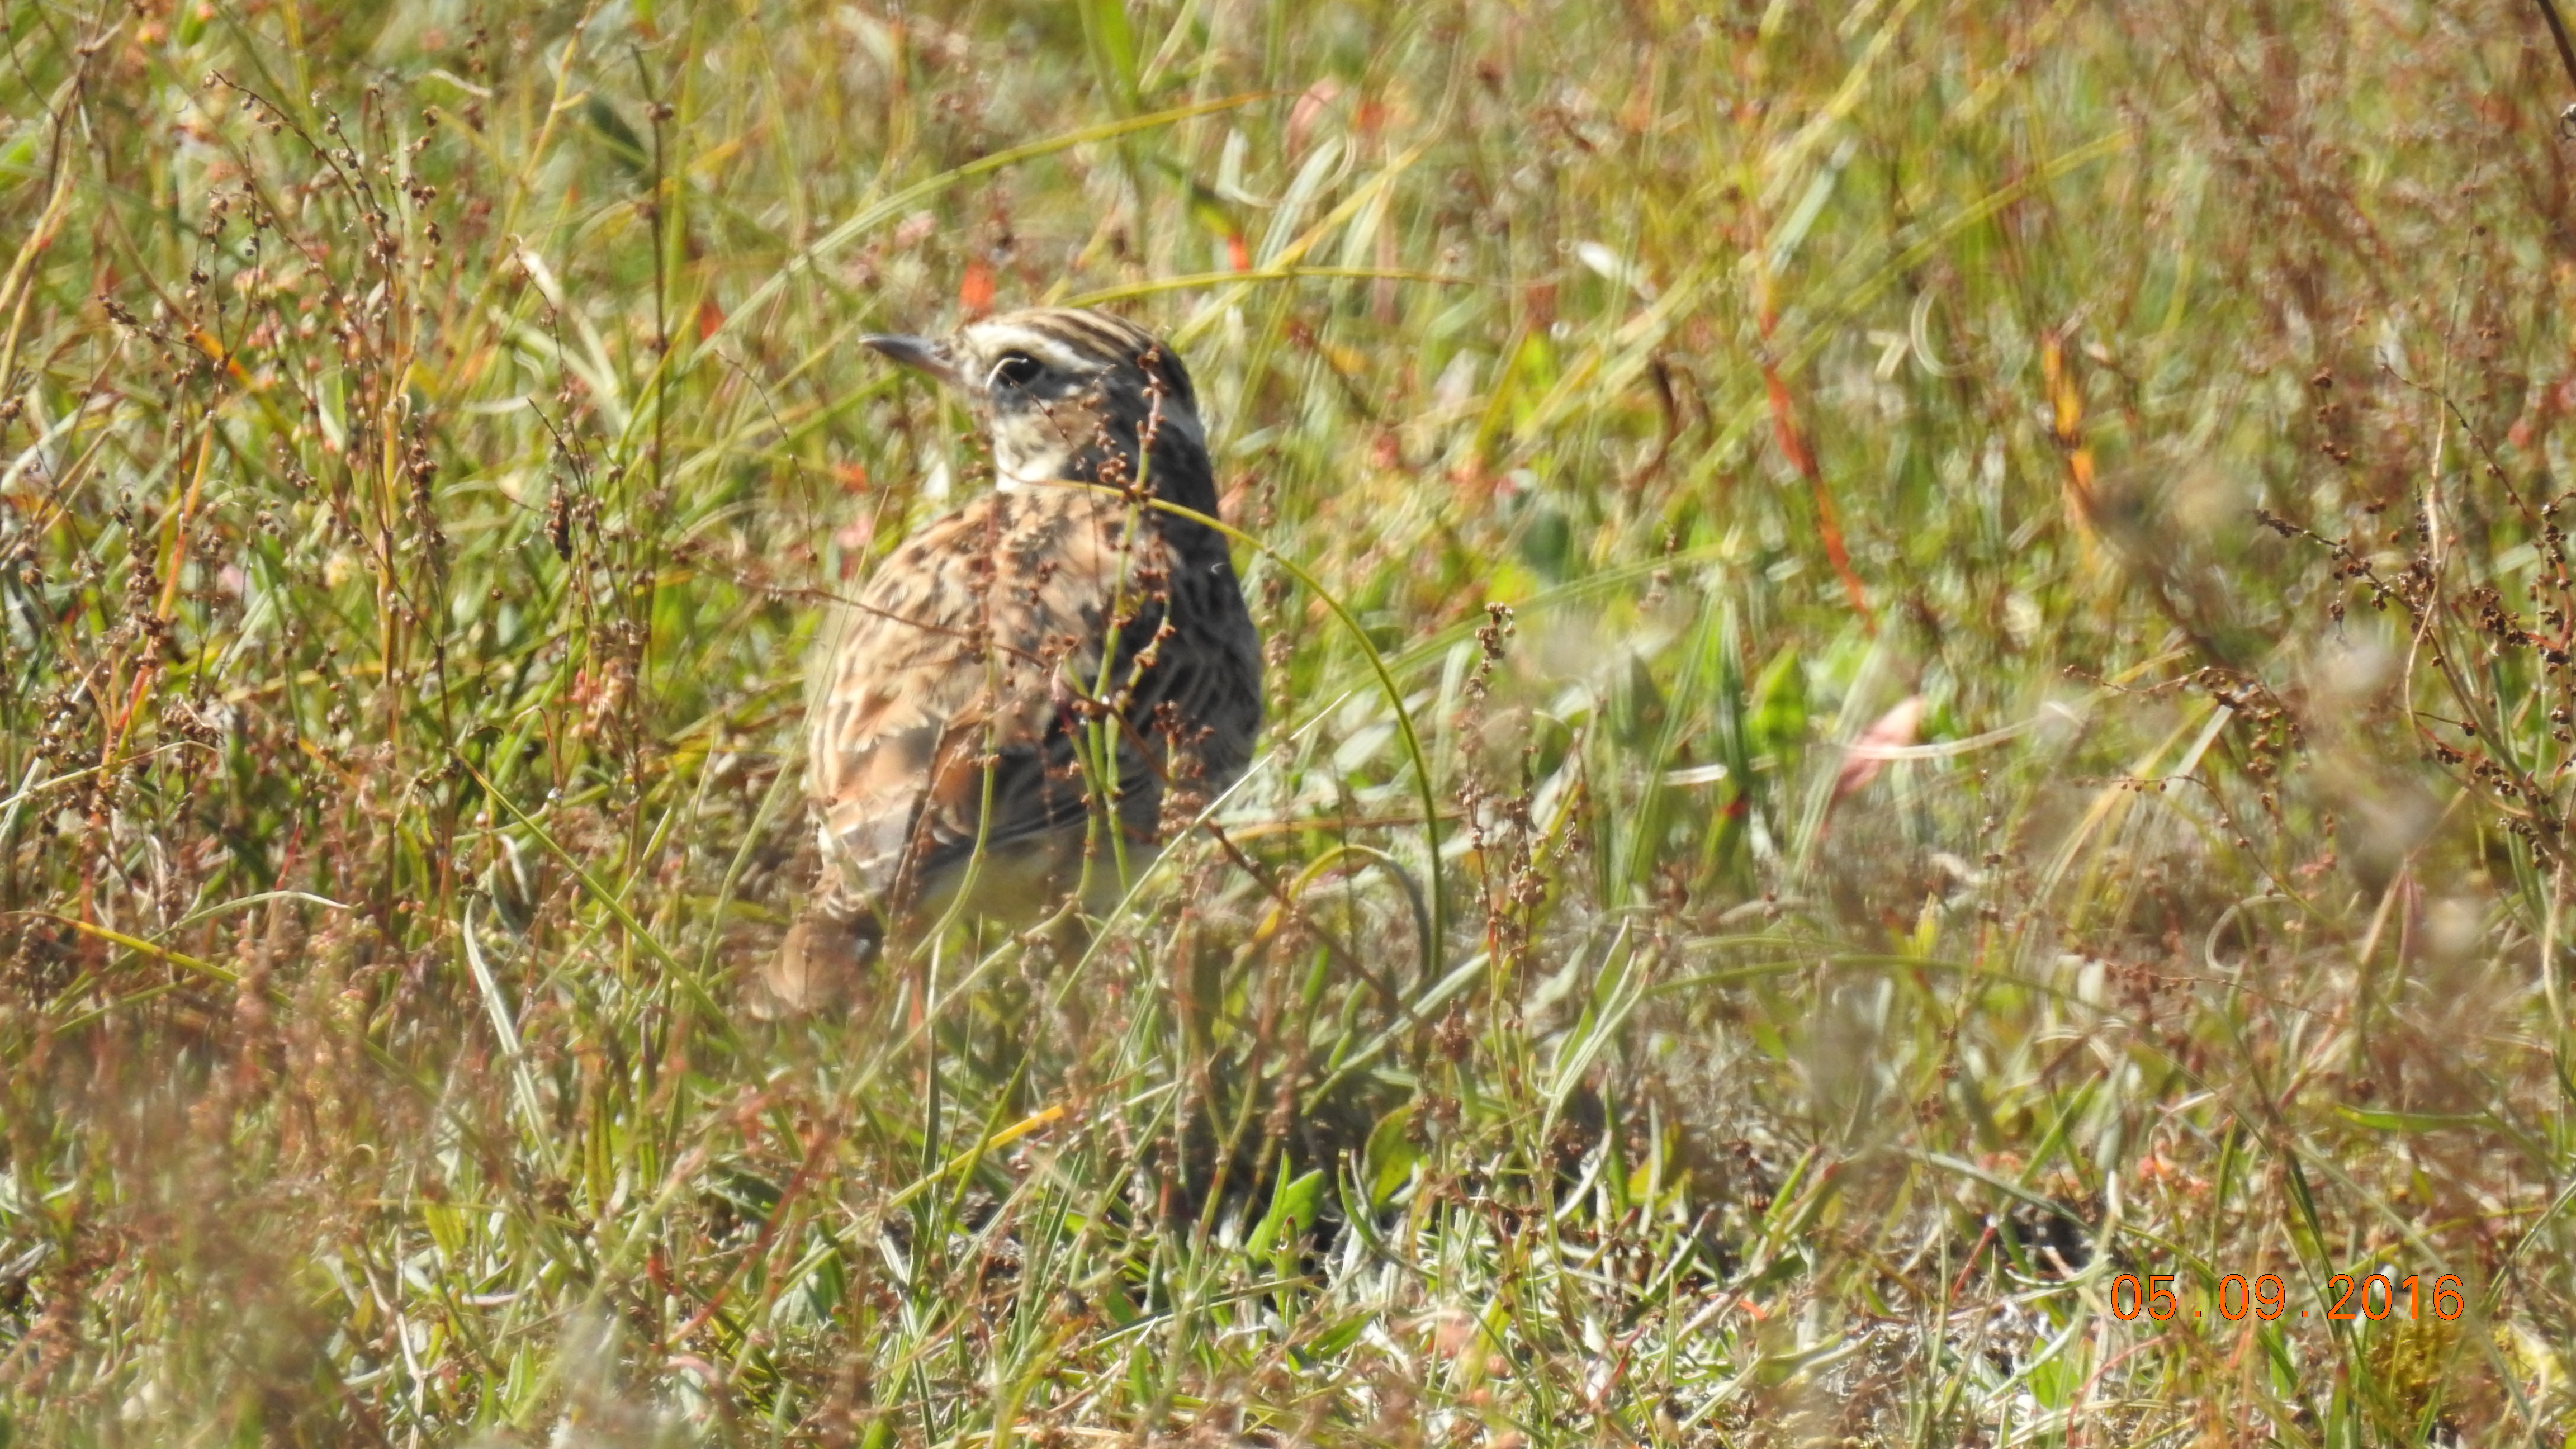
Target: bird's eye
{"points": [[1015, 369]]}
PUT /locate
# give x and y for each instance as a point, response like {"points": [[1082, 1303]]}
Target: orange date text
{"points": [[2372, 1296]]}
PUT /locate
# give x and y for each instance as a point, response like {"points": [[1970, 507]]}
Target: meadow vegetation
{"points": [[1919, 658]]}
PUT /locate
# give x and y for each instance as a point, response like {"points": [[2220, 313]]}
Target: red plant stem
{"points": [[1793, 446]]}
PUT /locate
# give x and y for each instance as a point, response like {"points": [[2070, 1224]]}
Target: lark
{"points": [[1002, 715]]}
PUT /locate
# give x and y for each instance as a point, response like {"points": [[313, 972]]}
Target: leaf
{"points": [[624, 146], [1113, 1304], [2384, 1121], [1209, 208], [1615, 994], [1293, 1207], [1779, 717], [1298, 200], [1336, 1340], [1113, 47], [1391, 1155]]}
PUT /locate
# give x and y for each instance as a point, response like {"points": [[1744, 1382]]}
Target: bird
{"points": [[1026, 693]]}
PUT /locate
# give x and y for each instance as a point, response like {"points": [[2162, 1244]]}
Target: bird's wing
{"points": [[974, 644]]}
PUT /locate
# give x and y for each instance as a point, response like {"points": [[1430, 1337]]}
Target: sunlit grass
{"points": [[1807, 825]]}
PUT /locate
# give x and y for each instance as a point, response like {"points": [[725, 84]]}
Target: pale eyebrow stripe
{"points": [[1043, 346]]}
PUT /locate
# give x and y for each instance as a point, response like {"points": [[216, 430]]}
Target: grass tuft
{"points": [[1920, 680]]}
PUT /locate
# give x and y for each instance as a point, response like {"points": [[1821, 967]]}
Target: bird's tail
{"points": [[820, 963]]}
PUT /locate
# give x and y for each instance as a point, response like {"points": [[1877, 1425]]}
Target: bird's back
{"points": [[962, 692]]}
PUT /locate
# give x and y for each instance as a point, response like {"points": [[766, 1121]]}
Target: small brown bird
{"points": [[1004, 712]]}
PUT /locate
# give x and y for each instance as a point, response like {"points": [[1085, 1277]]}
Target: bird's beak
{"points": [[921, 354]]}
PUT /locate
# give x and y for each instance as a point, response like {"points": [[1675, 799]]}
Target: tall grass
{"points": [[1919, 658]]}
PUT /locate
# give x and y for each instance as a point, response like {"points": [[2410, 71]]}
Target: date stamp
{"points": [[2372, 1296]]}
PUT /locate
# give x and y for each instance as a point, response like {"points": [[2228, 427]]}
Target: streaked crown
{"points": [[1072, 341]]}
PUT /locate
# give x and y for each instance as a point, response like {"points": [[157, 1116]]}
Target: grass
{"points": [[1919, 663]]}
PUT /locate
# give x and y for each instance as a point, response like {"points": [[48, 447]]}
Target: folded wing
{"points": [[958, 698]]}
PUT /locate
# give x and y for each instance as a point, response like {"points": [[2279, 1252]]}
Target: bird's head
{"points": [[1072, 394]]}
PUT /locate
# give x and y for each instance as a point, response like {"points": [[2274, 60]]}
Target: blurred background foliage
{"points": [[1919, 657]]}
